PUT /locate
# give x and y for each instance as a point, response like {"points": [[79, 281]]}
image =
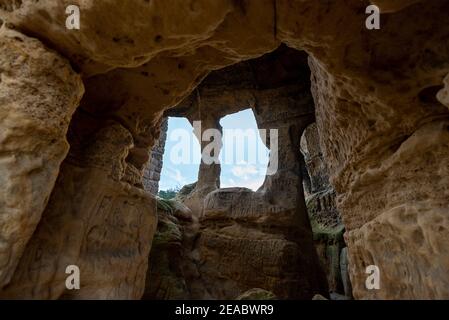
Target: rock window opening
{"points": [[213, 236], [244, 156], [174, 160]]}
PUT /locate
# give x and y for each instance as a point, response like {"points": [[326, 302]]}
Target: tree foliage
{"points": [[168, 194]]}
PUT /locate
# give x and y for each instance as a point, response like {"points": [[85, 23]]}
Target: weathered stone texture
{"points": [[152, 171], [247, 242], [94, 221], [385, 140], [39, 92], [165, 277]]}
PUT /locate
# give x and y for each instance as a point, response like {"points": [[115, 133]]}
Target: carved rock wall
{"points": [[327, 226], [167, 274], [314, 161], [385, 139], [94, 221]]}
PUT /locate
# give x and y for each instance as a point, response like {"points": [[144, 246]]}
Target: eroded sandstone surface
{"points": [[39, 92], [381, 110], [327, 227]]}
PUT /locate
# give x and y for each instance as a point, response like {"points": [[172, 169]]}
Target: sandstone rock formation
{"points": [[240, 239], [381, 106], [153, 169], [94, 221], [38, 95], [327, 226], [166, 277]]}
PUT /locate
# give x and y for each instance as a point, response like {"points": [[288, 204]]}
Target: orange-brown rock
{"points": [[95, 221], [39, 92]]}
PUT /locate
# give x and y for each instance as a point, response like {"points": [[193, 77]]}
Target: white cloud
{"points": [[252, 184], [176, 175], [244, 172]]}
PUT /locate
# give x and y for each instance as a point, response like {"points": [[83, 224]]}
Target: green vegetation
{"points": [[168, 194], [185, 191], [165, 204], [167, 231], [327, 234], [325, 229]]}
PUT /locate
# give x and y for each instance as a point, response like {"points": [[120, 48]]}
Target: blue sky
{"points": [[245, 169]]}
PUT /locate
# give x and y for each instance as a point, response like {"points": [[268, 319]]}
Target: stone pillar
{"points": [[39, 92], [152, 171], [285, 186], [268, 231], [208, 173]]}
